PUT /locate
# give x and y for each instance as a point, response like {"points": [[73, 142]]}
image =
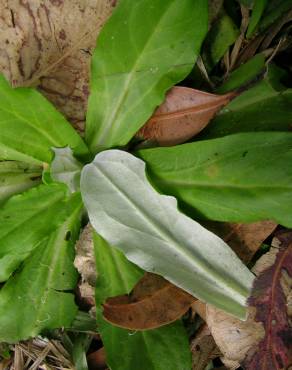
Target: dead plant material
{"points": [[184, 113]]}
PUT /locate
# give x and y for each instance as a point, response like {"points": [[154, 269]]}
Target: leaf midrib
{"points": [[199, 264], [31, 125], [112, 119], [19, 225]]}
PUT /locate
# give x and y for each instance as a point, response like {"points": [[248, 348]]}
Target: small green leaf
{"points": [[36, 297], [221, 36], [144, 350], [16, 177], [25, 221], [142, 51], [126, 211], [243, 74], [30, 126], [81, 343], [239, 178], [257, 12], [260, 108], [66, 169]]}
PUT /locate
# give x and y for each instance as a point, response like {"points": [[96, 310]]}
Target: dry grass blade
{"points": [[40, 353]]}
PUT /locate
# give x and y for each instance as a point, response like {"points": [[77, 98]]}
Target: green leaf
{"points": [[257, 12], [30, 126], [126, 211], [16, 177], [36, 297], [274, 10], [142, 51], [243, 74], [239, 178], [66, 169], [222, 35], [260, 108], [25, 221], [144, 350], [81, 343]]}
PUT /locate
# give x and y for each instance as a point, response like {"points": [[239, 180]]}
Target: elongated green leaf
{"points": [[15, 177], [66, 169], [260, 108], [244, 74], [143, 50], [30, 126], [147, 226], [220, 37], [25, 221], [36, 297], [159, 349], [239, 178], [257, 12], [80, 346], [275, 10]]}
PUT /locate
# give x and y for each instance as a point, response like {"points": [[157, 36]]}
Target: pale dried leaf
{"points": [[48, 44], [234, 337], [85, 264], [84, 260]]}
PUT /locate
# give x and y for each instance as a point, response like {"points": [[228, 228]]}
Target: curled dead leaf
{"points": [[184, 113], [48, 44], [153, 302]]}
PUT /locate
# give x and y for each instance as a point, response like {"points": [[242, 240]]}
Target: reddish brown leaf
{"points": [[153, 302], [97, 360], [270, 295], [184, 113]]}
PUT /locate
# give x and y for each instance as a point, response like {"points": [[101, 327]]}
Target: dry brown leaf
{"points": [[48, 44], [244, 239], [184, 113], [4, 364], [199, 307], [203, 349], [97, 360], [153, 302]]}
